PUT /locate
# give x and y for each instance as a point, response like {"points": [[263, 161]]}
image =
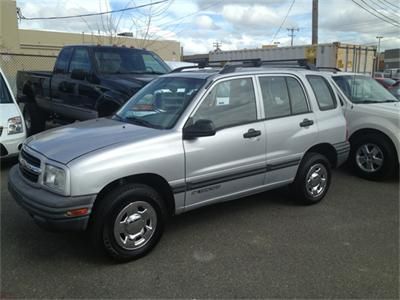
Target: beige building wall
{"points": [[23, 49]]}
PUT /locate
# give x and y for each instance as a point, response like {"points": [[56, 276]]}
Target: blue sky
{"points": [[237, 24]]}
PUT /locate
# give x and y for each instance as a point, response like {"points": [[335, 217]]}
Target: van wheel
{"points": [[128, 222], [312, 180], [372, 157], [34, 117]]}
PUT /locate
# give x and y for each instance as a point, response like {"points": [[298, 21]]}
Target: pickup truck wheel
{"points": [[372, 157], [312, 180], [34, 117], [129, 222]]}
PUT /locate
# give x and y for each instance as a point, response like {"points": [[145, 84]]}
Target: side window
{"points": [[80, 60], [62, 60], [275, 97], [229, 103], [297, 97], [323, 92]]}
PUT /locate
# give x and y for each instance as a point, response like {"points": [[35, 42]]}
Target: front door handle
{"points": [[306, 123], [251, 133]]}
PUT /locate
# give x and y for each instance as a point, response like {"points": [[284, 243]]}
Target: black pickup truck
{"points": [[87, 82]]}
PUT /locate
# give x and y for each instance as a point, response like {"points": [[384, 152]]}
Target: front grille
{"points": [[31, 160], [29, 175]]}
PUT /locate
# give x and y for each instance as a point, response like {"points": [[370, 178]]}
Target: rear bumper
{"points": [[47, 209], [342, 152]]}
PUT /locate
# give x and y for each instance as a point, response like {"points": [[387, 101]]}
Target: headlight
{"points": [[15, 125], [54, 178]]}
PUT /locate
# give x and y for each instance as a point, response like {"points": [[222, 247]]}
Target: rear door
{"points": [[290, 125], [233, 160]]}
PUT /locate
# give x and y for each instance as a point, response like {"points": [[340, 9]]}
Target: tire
{"points": [[125, 205], [372, 157], [35, 120], [309, 191]]}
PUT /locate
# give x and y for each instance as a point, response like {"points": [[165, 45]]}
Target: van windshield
{"points": [[363, 89], [160, 103], [5, 96]]}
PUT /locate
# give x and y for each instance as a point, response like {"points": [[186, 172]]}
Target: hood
{"points": [[67, 143], [128, 83], [387, 108]]}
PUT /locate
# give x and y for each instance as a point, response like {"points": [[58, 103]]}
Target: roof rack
{"points": [[287, 63], [333, 69], [232, 65]]}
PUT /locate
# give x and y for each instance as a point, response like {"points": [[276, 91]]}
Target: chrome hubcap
{"points": [[369, 158], [316, 180], [135, 225]]}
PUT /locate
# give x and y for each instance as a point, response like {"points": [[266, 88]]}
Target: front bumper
{"points": [[48, 209], [10, 145], [342, 152]]}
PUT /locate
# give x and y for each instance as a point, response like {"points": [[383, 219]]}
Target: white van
{"points": [[12, 127]]}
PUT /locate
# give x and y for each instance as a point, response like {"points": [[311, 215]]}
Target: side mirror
{"points": [[199, 129], [78, 74]]}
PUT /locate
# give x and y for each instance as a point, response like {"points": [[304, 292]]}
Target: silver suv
{"points": [[186, 140]]}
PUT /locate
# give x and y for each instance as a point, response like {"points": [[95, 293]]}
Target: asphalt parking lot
{"points": [[263, 246]]}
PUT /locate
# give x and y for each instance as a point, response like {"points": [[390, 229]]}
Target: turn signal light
{"points": [[78, 212]]}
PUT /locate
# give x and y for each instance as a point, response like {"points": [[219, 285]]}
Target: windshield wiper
{"points": [[368, 102], [389, 101], [142, 122]]}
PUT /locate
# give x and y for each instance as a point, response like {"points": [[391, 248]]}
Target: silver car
{"points": [[186, 140]]}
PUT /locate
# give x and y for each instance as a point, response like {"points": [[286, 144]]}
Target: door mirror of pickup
{"points": [[78, 74], [200, 128]]}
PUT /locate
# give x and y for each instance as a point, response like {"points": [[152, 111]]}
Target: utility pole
{"points": [[378, 51], [291, 34], [315, 22], [217, 45]]}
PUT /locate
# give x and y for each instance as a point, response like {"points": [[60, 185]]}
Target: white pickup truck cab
{"points": [[12, 128], [373, 120]]}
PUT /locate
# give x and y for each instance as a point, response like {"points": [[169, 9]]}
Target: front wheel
{"points": [[312, 180], [128, 222], [372, 157]]}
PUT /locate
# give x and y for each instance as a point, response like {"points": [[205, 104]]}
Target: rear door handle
{"points": [[306, 123], [251, 133]]}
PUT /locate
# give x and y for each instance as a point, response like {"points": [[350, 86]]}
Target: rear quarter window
{"points": [[323, 92]]}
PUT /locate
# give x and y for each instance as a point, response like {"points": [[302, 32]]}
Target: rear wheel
{"points": [[35, 120], [312, 180], [128, 222], [372, 157]]}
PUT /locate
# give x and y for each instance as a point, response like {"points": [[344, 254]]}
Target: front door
{"points": [[232, 161]]}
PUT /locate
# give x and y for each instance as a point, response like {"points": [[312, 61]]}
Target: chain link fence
{"points": [[11, 63]]}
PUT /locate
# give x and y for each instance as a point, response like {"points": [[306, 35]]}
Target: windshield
{"points": [[363, 89], [5, 96], [128, 61], [160, 103]]}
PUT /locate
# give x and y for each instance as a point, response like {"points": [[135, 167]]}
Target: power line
{"points": [[391, 4], [283, 22], [384, 11], [92, 14], [379, 17], [385, 5], [384, 8]]}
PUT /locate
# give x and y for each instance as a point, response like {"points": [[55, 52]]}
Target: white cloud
{"points": [[205, 22]]}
